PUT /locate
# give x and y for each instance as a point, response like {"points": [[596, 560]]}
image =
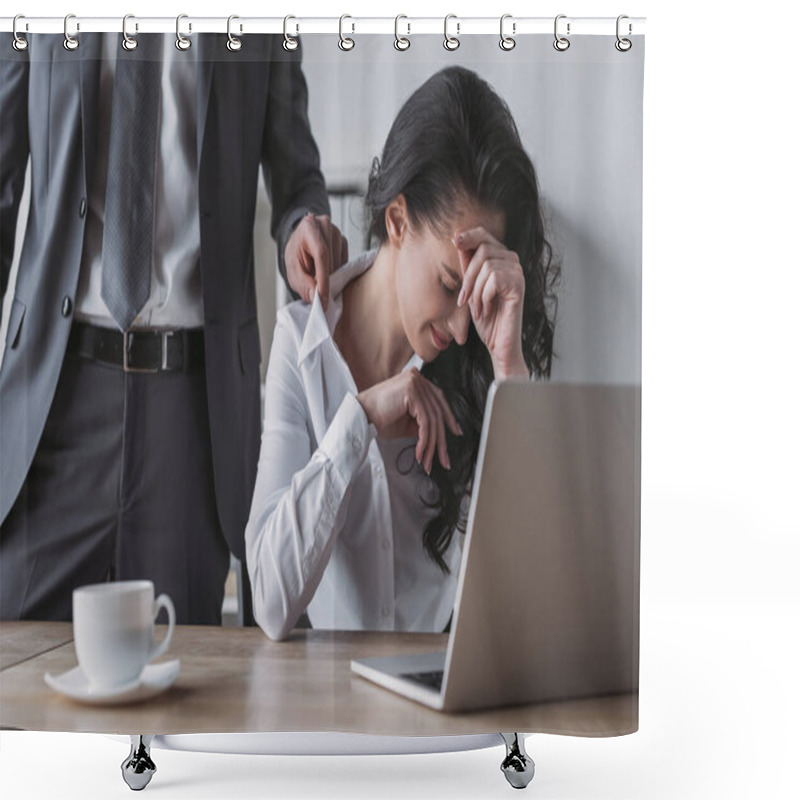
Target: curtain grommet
{"points": [[401, 43], [451, 43], [346, 43], [128, 42], [507, 42], [181, 42], [561, 43], [20, 43], [233, 44], [622, 44], [290, 43], [70, 42]]}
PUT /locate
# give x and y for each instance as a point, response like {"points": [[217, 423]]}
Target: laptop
{"points": [[547, 601]]}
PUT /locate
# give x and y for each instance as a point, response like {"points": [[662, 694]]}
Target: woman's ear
{"points": [[397, 222]]}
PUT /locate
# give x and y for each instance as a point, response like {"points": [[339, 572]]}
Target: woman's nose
{"points": [[459, 323]]}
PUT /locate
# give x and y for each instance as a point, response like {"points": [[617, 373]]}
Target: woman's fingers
{"points": [[443, 418], [491, 289], [416, 411], [487, 279], [471, 238], [477, 257], [441, 440], [432, 431], [485, 252], [426, 403], [449, 416]]}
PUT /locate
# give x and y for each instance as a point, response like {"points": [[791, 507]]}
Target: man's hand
{"points": [[314, 250]]}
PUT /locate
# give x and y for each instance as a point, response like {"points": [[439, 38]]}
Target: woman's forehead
{"points": [[469, 214]]}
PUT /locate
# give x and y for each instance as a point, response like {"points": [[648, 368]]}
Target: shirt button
{"points": [[378, 471], [356, 442], [82, 209], [66, 307]]}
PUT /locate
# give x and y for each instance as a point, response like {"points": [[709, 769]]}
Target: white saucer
{"points": [[155, 678]]}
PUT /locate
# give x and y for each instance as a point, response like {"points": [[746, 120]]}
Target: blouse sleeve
{"points": [[298, 493]]}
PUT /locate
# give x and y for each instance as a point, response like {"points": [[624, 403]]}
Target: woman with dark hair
{"points": [[373, 413]]}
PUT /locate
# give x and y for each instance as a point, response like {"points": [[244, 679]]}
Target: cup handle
{"points": [[163, 601]]}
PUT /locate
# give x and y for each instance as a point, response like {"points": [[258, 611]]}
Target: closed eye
{"points": [[448, 290]]}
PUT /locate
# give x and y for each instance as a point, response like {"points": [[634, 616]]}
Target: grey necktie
{"points": [[128, 225]]}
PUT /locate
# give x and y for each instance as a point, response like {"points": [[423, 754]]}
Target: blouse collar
{"points": [[321, 324]]}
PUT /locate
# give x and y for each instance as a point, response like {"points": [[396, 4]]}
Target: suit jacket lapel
{"points": [[205, 70], [90, 55]]}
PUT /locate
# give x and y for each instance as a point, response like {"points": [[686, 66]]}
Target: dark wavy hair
{"points": [[455, 140]]}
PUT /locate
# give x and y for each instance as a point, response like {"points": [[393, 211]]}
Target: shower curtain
{"points": [[414, 173]]}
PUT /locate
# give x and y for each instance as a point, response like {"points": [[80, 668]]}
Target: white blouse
{"points": [[336, 522]]}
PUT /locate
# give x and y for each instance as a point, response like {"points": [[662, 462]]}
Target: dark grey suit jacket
{"points": [[252, 109]]}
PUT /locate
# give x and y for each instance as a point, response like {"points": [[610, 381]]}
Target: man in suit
{"points": [[129, 392]]}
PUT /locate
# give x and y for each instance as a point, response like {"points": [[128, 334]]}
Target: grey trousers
{"points": [[121, 488]]}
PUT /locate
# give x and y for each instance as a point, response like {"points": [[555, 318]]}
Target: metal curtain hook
{"points": [[345, 42], [128, 42], [623, 45], [561, 43], [181, 42], [400, 42], [234, 44], [19, 43], [70, 42], [289, 43], [451, 42], [507, 42]]}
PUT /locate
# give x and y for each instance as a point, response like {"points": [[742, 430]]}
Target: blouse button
{"points": [[356, 442], [378, 472]]}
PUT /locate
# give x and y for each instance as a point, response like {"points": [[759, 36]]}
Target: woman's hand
{"points": [[410, 405], [494, 286]]}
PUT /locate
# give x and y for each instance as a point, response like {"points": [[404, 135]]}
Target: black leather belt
{"points": [[140, 350]]}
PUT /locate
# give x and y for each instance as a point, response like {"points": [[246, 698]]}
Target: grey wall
{"points": [[580, 117]]}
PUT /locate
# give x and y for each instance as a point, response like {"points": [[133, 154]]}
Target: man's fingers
{"points": [[316, 247], [306, 286], [338, 251], [324, 267]]}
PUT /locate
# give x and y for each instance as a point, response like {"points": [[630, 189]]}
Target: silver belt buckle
{"points": [[164, 340], [126, 343]]}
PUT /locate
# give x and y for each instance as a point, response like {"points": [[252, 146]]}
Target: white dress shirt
{"points": [[175, 292], [336, 524]]}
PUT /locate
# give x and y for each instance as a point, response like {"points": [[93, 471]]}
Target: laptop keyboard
{"points": [[432, 678]]}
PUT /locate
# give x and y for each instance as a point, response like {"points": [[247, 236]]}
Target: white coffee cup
{"points": [[114, 626]]}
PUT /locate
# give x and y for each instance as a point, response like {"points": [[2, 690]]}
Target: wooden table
{"points": [[236, 680]]}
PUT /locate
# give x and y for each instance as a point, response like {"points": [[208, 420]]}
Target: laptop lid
{"points": [[547, 600]]}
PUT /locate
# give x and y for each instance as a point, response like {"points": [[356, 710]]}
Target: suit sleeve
{"points": [[14, 67], [289, 154]]}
